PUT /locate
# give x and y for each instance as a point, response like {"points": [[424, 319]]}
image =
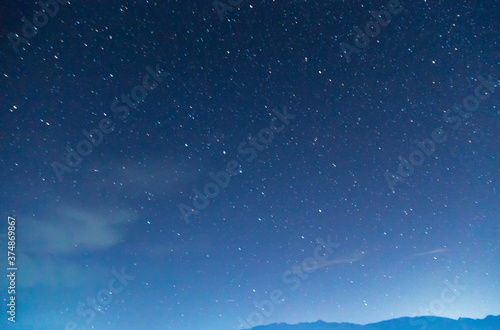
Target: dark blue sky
{"points": [[169, 169]]}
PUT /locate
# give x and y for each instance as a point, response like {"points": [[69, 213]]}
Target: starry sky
{"points": [[223, 165]]}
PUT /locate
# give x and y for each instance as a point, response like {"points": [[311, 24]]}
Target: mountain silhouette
{"points": [[404, 323]]}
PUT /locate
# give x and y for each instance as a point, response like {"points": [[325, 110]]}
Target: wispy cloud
{"points": [[51, 242], [73, 230], [338, 261], [435, 251]]}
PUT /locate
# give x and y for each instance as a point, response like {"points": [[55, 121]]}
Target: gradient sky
{"points": [[325, 172]]}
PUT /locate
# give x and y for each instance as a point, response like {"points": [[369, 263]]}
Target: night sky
{"points": [[199, 165]]}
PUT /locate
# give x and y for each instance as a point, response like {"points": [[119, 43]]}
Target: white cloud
{"points": [[435, 251], [73, 230]]}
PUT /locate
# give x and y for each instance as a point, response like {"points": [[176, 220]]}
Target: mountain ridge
{"points": [[490, 322]]}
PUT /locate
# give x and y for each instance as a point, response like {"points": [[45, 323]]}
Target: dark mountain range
{"points": [[404, 323]]}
